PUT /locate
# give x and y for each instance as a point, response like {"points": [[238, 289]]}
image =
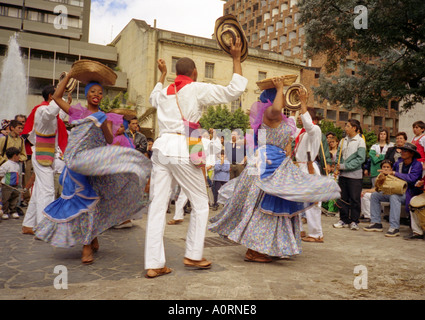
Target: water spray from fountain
{"points": [[13, 83]]}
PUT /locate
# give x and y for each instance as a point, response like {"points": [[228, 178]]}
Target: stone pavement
{"points": [[395, 268]]}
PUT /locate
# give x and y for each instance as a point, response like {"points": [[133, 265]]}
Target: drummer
{"points": [[407, 168], [418, 201]]}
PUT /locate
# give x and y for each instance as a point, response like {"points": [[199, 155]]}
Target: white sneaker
{"points": [[354, 226], [15, 215], [5, 216], [340, 224]]}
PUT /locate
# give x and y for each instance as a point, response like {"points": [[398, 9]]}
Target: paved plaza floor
{"points": [[348, 265]]}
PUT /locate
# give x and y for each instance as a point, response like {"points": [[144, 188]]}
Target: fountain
{"points": [[13, 83]]}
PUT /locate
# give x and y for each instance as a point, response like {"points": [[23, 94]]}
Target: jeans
{"points": [[395, 201]]}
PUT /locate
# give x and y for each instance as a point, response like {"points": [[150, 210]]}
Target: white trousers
{"points": [[42, 195], [365, 205], [165, 172], [179, 208], [314, 214], [414, 223]]}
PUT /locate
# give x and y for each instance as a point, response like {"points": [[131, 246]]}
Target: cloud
{"points": [[194, 17]]}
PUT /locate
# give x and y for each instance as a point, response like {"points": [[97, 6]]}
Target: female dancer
{"points": [[96, 180], [262, 213]]}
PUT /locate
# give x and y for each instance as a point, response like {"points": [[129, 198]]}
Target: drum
{"points": [[417, 207], [392, 185]]}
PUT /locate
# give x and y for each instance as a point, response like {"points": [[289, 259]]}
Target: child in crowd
{"points": [[367, 193], [10, 174], [221, 176]]}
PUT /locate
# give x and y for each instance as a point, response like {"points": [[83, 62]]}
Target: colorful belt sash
{"points": [[45, 147]]}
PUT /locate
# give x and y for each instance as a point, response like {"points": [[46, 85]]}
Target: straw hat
{"points": [[87, 71], [72, 83], [227, 29], [268, 83]]}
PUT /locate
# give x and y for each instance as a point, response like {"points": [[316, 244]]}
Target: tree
{"points": [[107, 104], [219, 117], [387, 37]]}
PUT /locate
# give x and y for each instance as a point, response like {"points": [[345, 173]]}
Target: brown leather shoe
{"points": [[173, 222], [312, 239], [197, 264], [153, 273], [27, 230], [254, 256]]}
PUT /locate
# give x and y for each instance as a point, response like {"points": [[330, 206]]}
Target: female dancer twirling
{"points": [[96, 181], [262, 211]]}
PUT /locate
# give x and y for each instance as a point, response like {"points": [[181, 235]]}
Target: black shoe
{"points": [[392, 232], [374, 227], [414, 236]]}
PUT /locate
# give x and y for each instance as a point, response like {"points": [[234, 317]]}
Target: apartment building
{"points": [[273, 25]]}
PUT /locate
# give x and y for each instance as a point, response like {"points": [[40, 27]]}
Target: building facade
{"points": [[273, 25], [139, 47], [52, 35]]}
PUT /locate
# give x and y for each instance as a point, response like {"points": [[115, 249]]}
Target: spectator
{"points": [[13, 139], [149, 148], [331, 135], [139, 139], [367, 193], [330, 206], [333, 150], [353, 154], [417, 231], [377, 153], [10, 174], [419, 140], [5, 128], [236, 154], [394, 153], [407, 168], [27, 170], [221, 176]]}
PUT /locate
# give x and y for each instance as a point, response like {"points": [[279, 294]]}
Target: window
{"points": [[378, 121], [236, 105], [209, 70], [331, 114], [262, 75], [343, 116], [173, 64]]}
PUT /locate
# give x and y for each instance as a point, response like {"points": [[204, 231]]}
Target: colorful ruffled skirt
{"points": [[102, 187], [262, 206]]}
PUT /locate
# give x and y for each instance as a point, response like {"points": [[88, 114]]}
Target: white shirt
{"points": [[212, 150], [192, 98], [9, 167], [45, 121], [309, 140]]}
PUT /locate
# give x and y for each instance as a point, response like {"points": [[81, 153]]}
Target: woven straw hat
{"points": [[268, 83], [227, 29], [87, 71], [72, 83]]}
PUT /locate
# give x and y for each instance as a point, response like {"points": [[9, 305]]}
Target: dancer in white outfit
{"points": [[306, 149], [46, 136], [171, 160]]}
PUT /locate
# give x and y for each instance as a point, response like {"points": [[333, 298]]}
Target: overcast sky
{"points": [[194, 17]]}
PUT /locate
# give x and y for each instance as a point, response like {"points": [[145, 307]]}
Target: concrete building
{"points": [[139, 47], [273, 25], [53, 35]]}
